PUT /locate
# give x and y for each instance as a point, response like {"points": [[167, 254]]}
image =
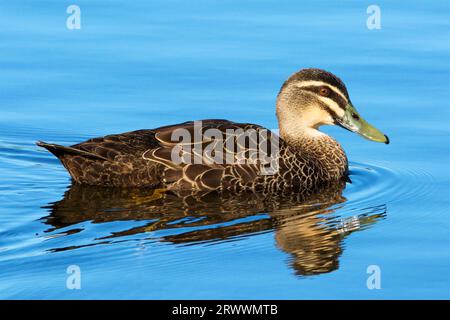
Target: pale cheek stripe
{"points": [[333, 106]]}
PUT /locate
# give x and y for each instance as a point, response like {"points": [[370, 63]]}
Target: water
{"points": [[146, 64]]}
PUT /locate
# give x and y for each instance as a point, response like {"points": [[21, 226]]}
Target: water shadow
{"points": [[310, 228]]}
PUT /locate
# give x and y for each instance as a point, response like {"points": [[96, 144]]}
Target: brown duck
{"points": [[304, 160]]}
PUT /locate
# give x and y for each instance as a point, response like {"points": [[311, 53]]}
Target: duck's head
{"points": [[314, 97]]}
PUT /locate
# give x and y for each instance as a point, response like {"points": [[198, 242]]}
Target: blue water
{"points": [[144, 64]]}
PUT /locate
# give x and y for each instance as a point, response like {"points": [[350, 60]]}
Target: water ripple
{"points": [[375, 183]]}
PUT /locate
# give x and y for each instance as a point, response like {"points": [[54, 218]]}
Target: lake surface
{"points": [[144, 64]]}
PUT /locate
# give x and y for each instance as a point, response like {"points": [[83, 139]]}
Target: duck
{"points": [[298, 158]]}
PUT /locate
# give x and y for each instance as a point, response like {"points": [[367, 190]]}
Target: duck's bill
{"points": [[354, 122]]}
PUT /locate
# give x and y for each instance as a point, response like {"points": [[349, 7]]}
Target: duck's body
{"points": [[143, 159], [305, 158]]}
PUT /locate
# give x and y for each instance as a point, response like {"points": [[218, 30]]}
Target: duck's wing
{"points": [[147, 157], [210, 154]]}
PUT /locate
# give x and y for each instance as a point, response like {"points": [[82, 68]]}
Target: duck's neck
{"points": [[318, 146]]}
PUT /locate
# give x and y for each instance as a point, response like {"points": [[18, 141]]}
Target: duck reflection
{"points": [[308, 227]]}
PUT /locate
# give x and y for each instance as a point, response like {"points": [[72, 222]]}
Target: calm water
{"points": [[150, 63]]}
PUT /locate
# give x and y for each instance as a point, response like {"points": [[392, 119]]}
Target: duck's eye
{"points": [[324, 92], [355, 116]]}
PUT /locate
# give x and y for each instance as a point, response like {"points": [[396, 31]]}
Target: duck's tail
{"points": [[60, 151]]}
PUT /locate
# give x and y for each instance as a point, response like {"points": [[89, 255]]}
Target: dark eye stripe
{"points": [[331, 112], [333, 95]]}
